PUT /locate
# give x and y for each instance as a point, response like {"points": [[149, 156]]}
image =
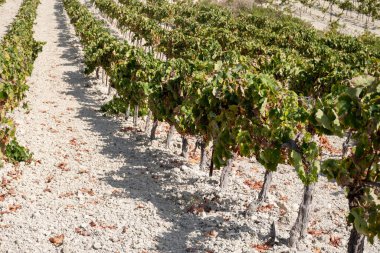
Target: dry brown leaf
{"points": [[140, 206], [265, 208], [14, 207], [327, 146], [104, 226], [126, 129], [92, 224], [82, 171], [15, 174], [317, 250], [2, 197], [49, 178], [273, 188], [12, 192], [82, 232], [282, 212], [57, 240], [63, 166], [73, 142], [88, 191], [66, 195], [315, 232], [256, 185], [211, 233], [195, 209], [69, 207], [335, 240], [4, 182], [47, 190], [254, 169], [52, 130], [261, 247]]}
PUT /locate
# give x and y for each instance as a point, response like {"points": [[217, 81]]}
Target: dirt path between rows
{"points": [[8, 11]]}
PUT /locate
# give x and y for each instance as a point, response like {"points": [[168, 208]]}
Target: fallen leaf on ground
{"points": [[63, 166], [4, 182], [73, 142], [12, 192], [327, 145], [2, 197], [52, 130], [126, 129], [69, 207], [211, 233], [82, 171], [315, 232], [88, 191], [335, 240], [261, 247], [102, 225], [82, 232], [57, 240], [66, 194], [282, 212], [140, 206], [254, 169], [49, 179], [256, 185], [265, 208], [14, 207], [15, 174]]}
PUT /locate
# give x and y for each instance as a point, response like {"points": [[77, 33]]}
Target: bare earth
{"points": [[8, 11], [99, 183]]}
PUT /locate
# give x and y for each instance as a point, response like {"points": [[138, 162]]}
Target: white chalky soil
{"points": [[8, 11], [106, 190]]}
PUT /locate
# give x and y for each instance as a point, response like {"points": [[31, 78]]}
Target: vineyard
{"points": [[161, 126]]}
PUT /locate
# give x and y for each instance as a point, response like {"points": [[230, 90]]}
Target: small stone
{"points": [[185, 168], [65, 249], [114, 239], [176, 170], [97, 245]]}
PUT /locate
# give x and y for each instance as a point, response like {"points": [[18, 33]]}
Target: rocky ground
{"points": [[8, 11], [97, 185]]}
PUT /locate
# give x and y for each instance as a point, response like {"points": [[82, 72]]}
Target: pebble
{"points": [[97, 245]]}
